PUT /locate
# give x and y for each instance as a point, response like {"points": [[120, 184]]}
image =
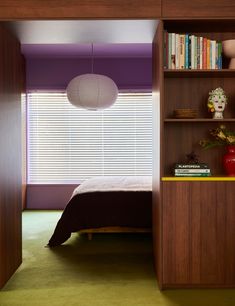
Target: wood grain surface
{"points": [[198, 8], [157, 139], [10, 155], [67, 9], [198, 234]]}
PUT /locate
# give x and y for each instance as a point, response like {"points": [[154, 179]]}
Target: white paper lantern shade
{"points": [[92, 91]]}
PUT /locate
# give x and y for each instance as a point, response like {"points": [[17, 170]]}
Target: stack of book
{"points": [[194, 170], [186, 51]]}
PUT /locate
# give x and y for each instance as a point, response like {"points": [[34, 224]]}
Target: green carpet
{"points": [[110, 270]]}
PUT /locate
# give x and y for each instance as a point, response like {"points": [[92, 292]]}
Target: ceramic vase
{"points": [[229, 161], [229, 51]]}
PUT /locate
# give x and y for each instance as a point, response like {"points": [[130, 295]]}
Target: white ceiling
{"points": [[84, 31]]}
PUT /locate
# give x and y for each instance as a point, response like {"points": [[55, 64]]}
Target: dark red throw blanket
{"points": [[100, 209]]}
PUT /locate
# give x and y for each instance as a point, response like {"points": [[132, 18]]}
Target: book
{"points": [[198, 52], [213, 53], [220, 54], [169, 49], [193, 174], [192, 170], [204, 58], [192, 51], [208, 55], [189, 52], [177, 50], [182, 51], [201, 53], [173, 47], [165, 49], [186, 51], [191, 166]]}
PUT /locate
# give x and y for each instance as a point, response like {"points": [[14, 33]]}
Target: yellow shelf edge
{"points": [[210, 178]]}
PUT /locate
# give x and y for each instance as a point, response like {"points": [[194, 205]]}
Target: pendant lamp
{"points": [[92, 91]]}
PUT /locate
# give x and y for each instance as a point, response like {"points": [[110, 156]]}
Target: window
{"points": [[68, 144]]}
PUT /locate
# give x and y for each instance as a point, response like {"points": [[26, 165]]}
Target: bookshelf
{"points": [[189, 88], [196, 214]]}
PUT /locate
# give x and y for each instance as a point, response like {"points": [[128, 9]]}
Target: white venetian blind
{"points": [[68, 144]]}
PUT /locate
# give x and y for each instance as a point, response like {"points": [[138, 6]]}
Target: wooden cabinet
{"points": [[198, 234], [198, 8]]}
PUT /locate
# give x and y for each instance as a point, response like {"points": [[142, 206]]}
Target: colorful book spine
{"points": [[169, 49], [208, 55], [186, 51], [177, 51], [192, 52], [182, 51], [220, 54], [189, 52], [201, 52], [204, 50], [198, 52], [165, 43], [173, 47], [195, 52], [213, 53], [216, 57]]}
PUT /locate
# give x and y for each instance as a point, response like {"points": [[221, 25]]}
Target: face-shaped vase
{"points": [[219, 102]]}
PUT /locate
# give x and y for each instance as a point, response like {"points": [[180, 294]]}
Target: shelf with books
{"points": [[190, 51]]}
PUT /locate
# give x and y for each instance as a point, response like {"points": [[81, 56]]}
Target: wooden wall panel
{"points": [[157, 128], [198, 8], [65, 9], [198, 234], [10, 155]]}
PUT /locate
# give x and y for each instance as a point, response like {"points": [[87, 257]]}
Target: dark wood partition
{"points": [[198, 8], [157, 129], [10, 155], [67, 9]]}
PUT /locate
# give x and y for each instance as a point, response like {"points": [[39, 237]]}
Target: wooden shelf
{"points": [[209, 178], [174, 120], [193, 73]]}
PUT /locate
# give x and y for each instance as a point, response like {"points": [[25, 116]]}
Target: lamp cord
{"points": [[92, 59]]}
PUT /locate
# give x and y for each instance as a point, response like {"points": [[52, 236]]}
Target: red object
{"points": [[229, 161]]}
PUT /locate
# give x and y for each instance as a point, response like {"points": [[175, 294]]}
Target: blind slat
{"points": [[69, 144]]}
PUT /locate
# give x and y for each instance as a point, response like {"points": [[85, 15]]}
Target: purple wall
{"points": [[55, 73], [48, 196], [127, 73]]}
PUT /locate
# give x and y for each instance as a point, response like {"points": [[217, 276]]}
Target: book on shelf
{"points": [[192, 174], [191, 166], [188, 51], [180, 171]]}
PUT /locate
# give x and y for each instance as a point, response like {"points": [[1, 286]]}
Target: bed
{"points": [[106, 204]]}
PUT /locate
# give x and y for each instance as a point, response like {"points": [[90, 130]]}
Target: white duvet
{"points": [[115, 183]]}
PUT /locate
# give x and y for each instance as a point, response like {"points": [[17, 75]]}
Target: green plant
{"points": [[222, 137]]}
